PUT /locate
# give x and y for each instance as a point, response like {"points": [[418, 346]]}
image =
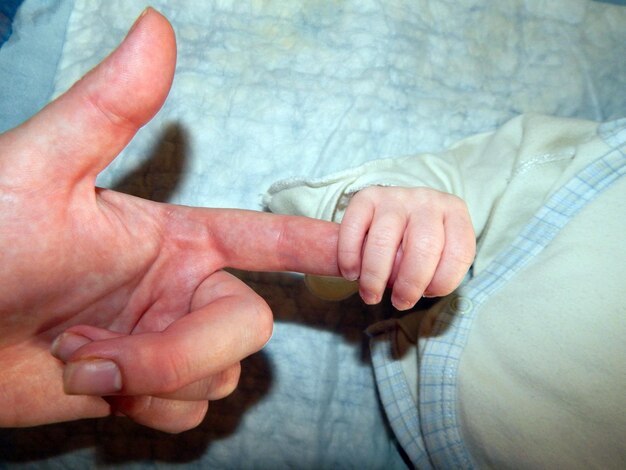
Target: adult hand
{"points": [[132, 290], [419, 240]]}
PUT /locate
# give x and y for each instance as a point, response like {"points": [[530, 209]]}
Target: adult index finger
{"points": [[259, 241]]}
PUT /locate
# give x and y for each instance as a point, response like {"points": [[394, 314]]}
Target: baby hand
{"points": [[419, 241]]}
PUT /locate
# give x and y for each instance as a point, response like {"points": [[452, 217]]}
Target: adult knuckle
{"points": [[175, 369], [114, 116]]}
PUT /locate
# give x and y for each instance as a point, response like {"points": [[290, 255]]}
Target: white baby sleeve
{"points": [[477, 169]]}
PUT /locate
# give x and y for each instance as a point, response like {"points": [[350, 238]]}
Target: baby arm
{"points": [[419, 241], [474, 173]]}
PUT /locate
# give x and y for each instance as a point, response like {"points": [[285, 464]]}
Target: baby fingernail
{"points": [[401, 304], [66, 344], [92, 377], [369, 297]]}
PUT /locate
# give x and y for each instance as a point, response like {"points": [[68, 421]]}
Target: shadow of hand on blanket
{"points": [[117, 441], [161, 173], [112, 441], [292, 302]]}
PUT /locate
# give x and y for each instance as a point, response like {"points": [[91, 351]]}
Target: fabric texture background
{"points": [[269, 90]]}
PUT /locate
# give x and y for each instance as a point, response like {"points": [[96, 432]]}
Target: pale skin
{"points": [[111, 304], [128, 295], [418, 240]]}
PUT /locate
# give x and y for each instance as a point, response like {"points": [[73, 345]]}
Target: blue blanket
{"points": [[268, 90]]}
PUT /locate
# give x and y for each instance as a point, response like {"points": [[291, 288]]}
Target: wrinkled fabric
{"points": [[268, 90]]}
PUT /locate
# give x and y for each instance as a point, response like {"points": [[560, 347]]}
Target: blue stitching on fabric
{"points": [[439, 365], [435, 420]]}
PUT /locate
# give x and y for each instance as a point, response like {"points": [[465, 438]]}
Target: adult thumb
{"points": [[77, 135]]}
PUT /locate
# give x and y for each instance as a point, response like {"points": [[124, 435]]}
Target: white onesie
{"points": [[524, 366]]}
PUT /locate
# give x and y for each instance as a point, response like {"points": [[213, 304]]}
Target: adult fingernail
{"points": [[138, 20], [92, 377], [66, 344]]}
